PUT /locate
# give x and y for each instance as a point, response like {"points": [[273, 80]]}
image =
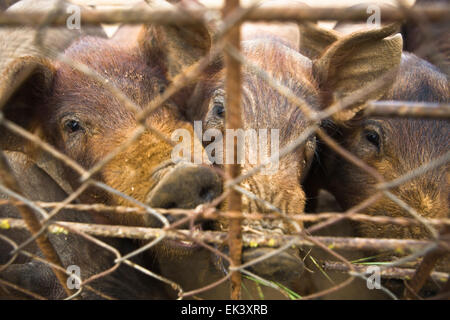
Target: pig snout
{"points": [[186, 186], [284, 267]]}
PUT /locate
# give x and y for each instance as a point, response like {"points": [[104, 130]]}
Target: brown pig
{"points": [[80, 117], [319, 83], [392, 146]]}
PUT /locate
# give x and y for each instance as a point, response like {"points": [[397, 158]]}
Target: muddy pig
{"points": [[80, 117]]}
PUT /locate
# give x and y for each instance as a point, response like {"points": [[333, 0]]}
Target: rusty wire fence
{"points": [[414, 268]]}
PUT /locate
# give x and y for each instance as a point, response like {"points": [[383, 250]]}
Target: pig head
{"points": [[341, 71], [392, 146]]}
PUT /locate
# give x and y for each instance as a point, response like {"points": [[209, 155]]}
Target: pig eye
{"points": [[373, 137], [72, 126], [219, 109]]}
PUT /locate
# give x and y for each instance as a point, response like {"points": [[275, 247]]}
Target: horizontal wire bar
{"points": [[407, 109], [388, 273], [434, 13], [217, 237], [214, 213]]}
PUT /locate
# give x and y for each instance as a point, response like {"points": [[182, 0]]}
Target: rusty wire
{"points": [[215, 214], [233, 121], [234, 15], [434, 13], [217, 237]]}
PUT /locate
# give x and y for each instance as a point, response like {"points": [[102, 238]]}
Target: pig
{"points": [[318, 83], [81, 119], [392, 146], [415, 141]]}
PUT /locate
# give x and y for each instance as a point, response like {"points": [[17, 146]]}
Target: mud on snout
{"points": [[183, 185], [186, 185]]}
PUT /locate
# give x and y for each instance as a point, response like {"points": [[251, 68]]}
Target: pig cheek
{"points": [[74, 145], [132, 181], [131, 173], [77, 149], [385, 207], [371, 230], [296, 200]]}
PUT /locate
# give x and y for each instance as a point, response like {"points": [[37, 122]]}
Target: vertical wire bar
{"points": [[422, 274], [33, 224], [233, 121], [424, 270]]}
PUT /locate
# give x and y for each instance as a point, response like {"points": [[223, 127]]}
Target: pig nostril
{"points": [[171, 218], [171, 205], [208, 225], [206, 194]]}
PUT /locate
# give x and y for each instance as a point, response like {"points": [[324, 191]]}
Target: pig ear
{"points": [[174, 48], [355, 62], [26, 72], [21, 105], [24, 106], [314, 39]]}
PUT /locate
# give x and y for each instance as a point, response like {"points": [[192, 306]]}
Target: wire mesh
{"points": [[40, 218]]}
